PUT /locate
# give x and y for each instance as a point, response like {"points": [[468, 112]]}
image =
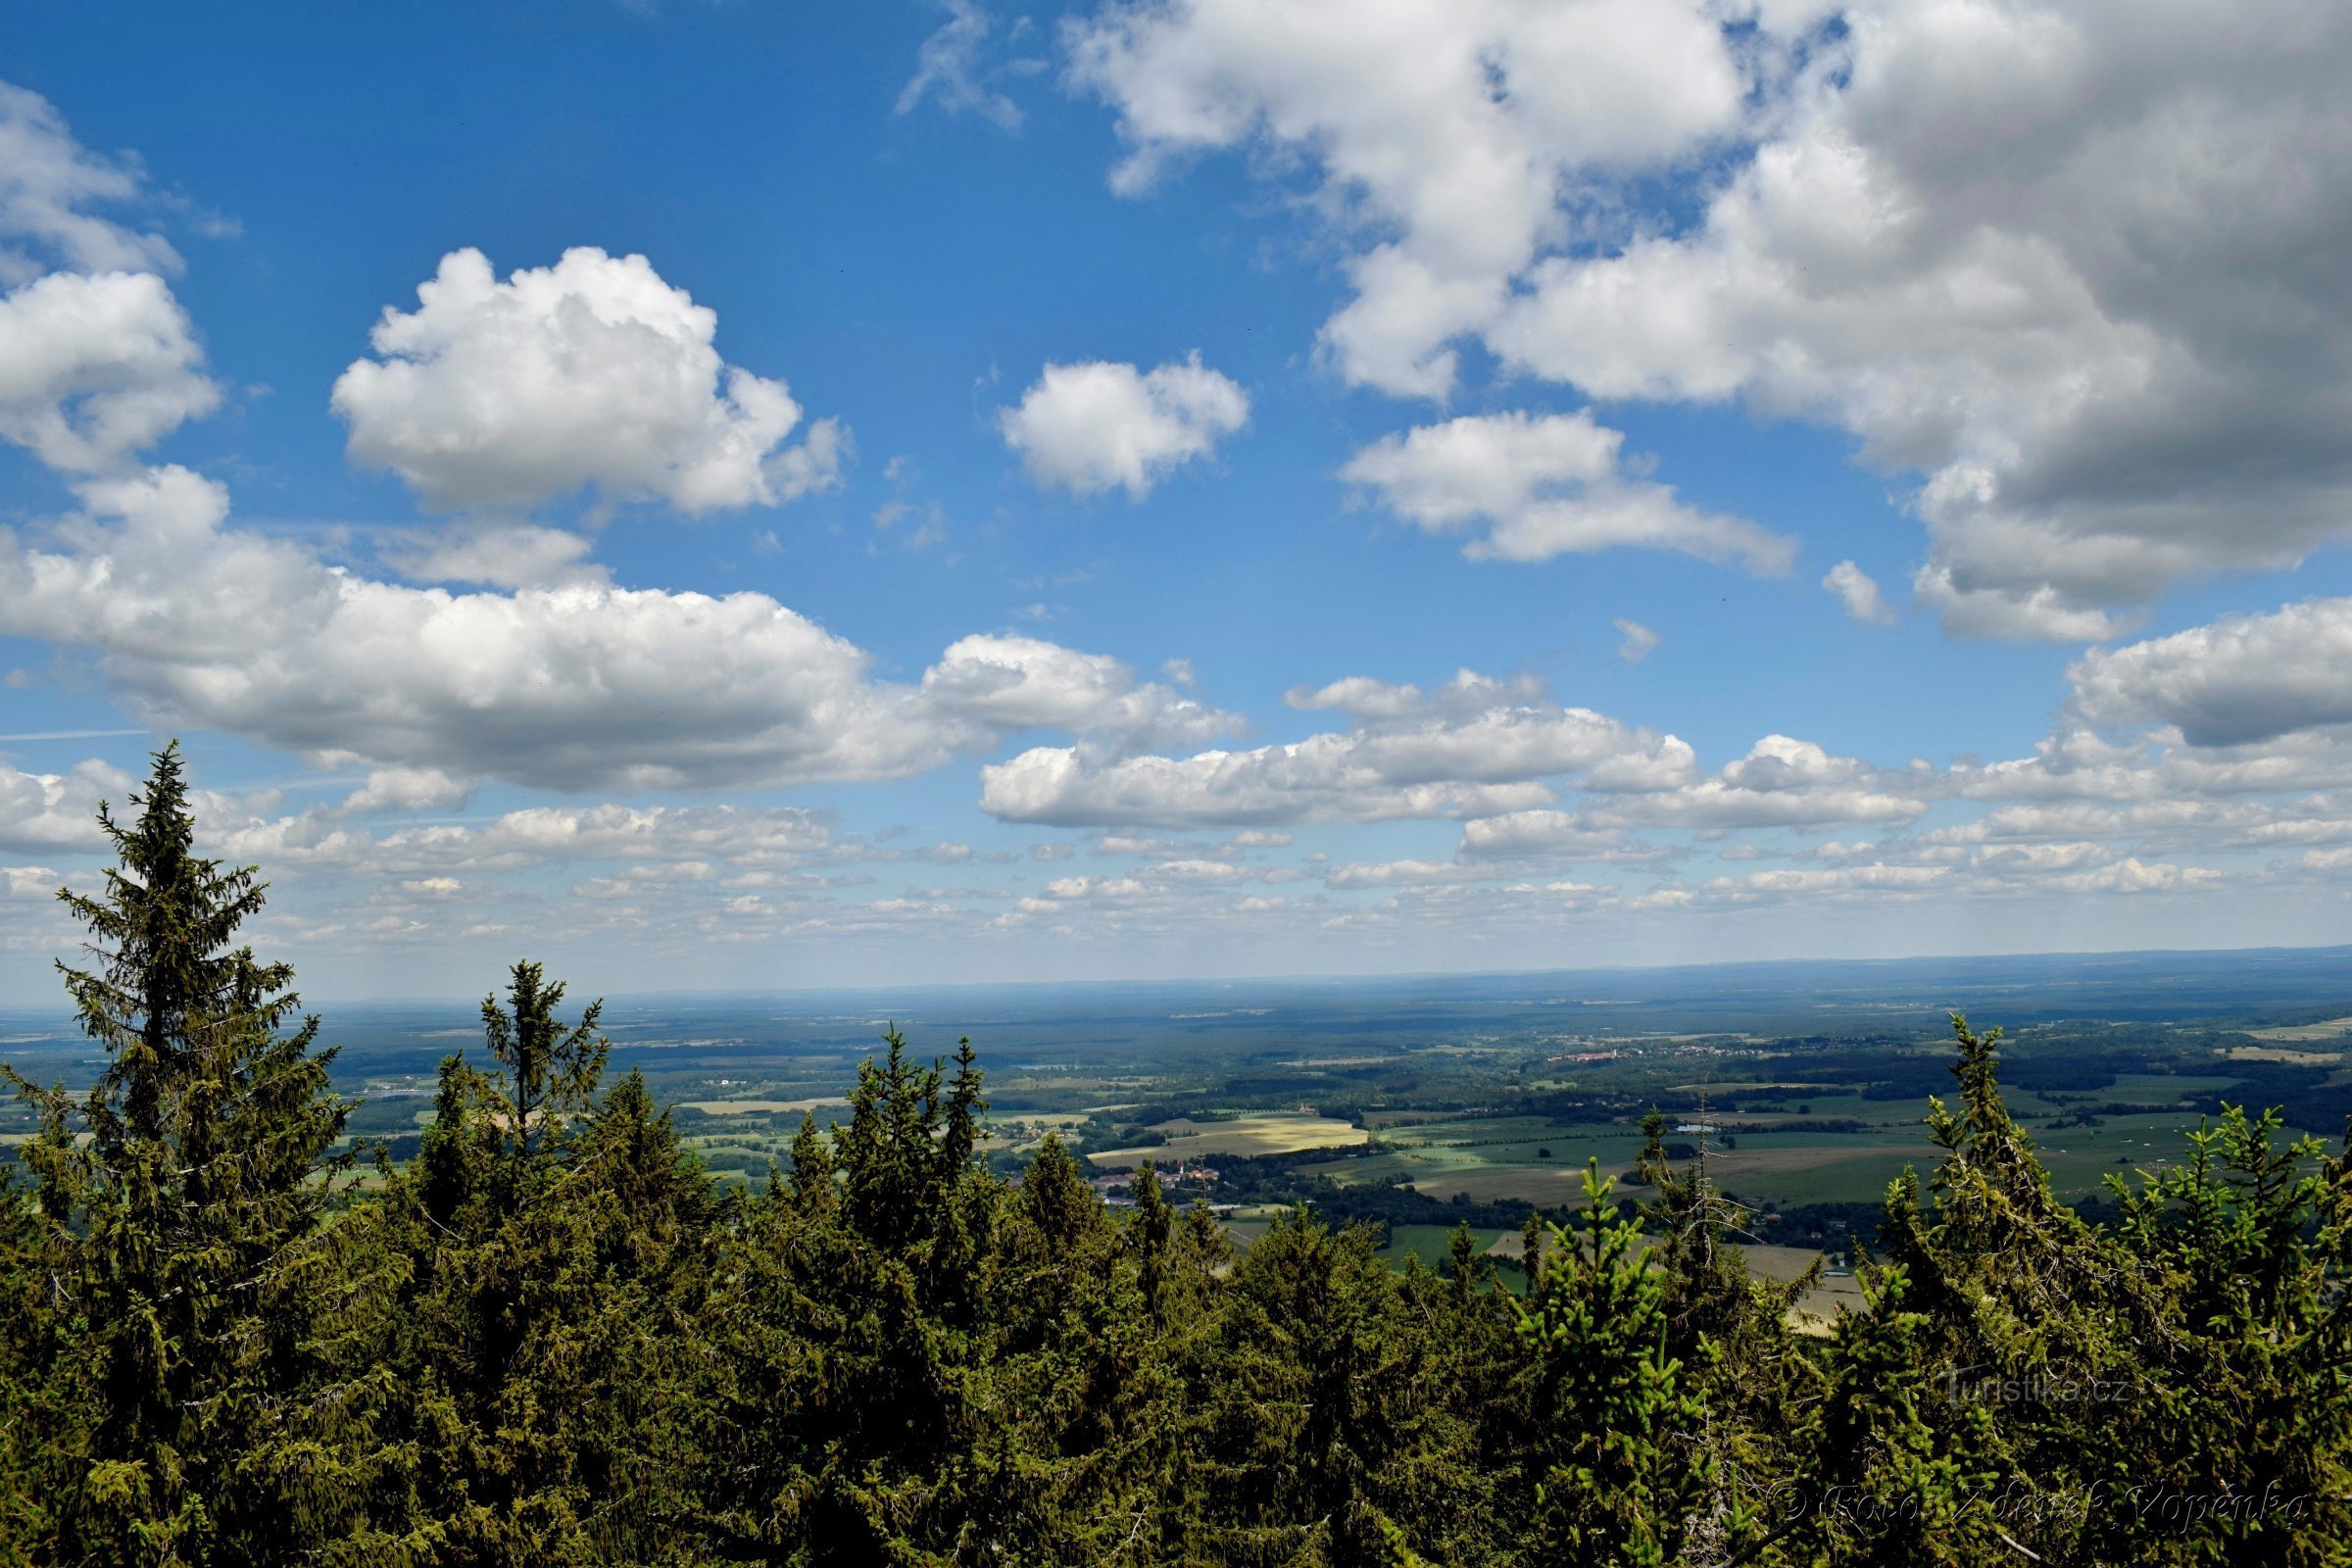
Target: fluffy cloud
{"points": [[26, 882], [2073, 872], [2054, 258], [1094, 887], [1200, 873], [1315, 780], [1494, 753], [2077, 762], [98, 361], [538, 836], [2244, 679], [1486, 891], [1781, 782], [2128, 875], [593, 372], [1447, 133], [503, 554], [1007, 683], [572, 687], [1846, 879], [1364, 697], [1859, 593], [94, 368], [1474, 748], [2060, 261], [1095, 426], [56, 811], [1544, 487], [49, 187], [407, 789], [1400, 873], [1542, 834]]}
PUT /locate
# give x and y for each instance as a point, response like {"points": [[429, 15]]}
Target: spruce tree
{"points": [[1617, 1478], [812, 1192], [179, 1204]]}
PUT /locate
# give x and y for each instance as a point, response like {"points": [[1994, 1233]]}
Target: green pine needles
{"points": [[553, 1338]]}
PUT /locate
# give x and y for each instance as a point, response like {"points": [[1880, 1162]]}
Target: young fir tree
{"points": [[177, 1207], [1056, 1477], [36, 1411], [1150, 1235], [1618, 1477], [956, 1272]]}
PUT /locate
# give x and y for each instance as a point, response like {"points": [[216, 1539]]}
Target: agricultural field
{"points": [[2324, 1029], [1249, 1136], [2307, 1059]]}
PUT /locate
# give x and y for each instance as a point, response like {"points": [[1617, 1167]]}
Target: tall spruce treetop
{"points": [[496, 1132], [207, 1098], [162, 932], [550, 1069], [889, 1150]]}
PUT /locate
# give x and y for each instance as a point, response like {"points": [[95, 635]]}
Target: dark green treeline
{"points": [[551, 1339]]}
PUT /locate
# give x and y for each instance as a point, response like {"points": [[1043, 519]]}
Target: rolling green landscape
{"points": [[1339, 1097], [1482, 1115]]}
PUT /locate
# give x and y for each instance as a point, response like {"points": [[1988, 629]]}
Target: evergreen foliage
{"points": [[168, 1258], [551, 1337]]}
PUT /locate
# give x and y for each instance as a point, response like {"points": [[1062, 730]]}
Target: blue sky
{"points": [[877, 490]]}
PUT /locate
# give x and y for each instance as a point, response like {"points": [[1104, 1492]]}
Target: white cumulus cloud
{"points": [[56, 811], [1445, 132], [1545, 487], [593, 372], [570, 687], [407, 789], [95, 367], [1099, 425], [2241, 680], [2059, 267], [1781, 782], [53, 192], [97, 359], [503, 554], [1012, 683], [1476, 747]]}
